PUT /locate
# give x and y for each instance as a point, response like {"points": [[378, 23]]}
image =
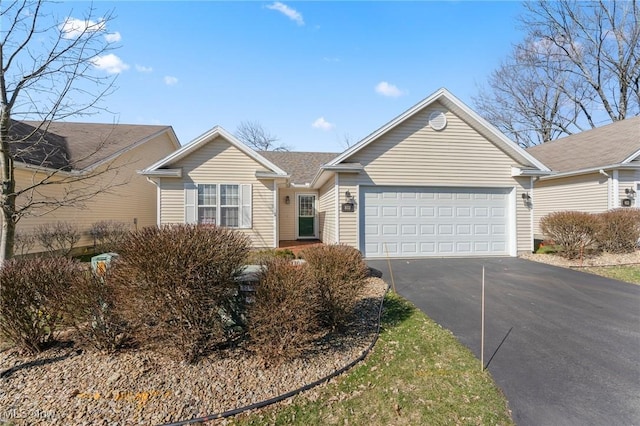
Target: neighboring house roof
{"points": [[161, 166], [72, 146], [614, 144], [444, 97], [302, 166]]}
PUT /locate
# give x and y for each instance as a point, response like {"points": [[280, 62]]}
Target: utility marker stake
{"points": [[393, 283], [482, 326]]}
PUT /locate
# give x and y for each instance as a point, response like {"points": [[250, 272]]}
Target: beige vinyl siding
{"points": [[413, 154], [127, 195], [287, 215], [349, 220], [220, 162], [585, 193], [627, 180], [327, 212]]}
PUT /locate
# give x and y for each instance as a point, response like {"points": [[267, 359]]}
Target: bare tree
{"points": [[48, 72], [578, 67], [253, 134]]}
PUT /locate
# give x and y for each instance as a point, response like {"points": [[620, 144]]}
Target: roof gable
{"points": [[206, 138], [613, 144], [71, 146], [456, 106]]}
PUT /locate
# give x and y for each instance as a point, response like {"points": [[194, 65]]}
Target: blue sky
{"points": [[311, 73]]}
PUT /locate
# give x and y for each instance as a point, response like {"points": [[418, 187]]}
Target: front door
{"points": [[306, 216]]}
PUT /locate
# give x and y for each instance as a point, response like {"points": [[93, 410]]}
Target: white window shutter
{"points": [[190, 203], [245, 206]]}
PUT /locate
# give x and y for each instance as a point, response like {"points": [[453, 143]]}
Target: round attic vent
{"points": [[437, 120]]}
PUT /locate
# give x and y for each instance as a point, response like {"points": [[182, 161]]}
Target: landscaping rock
{"points": [[65, 387]]}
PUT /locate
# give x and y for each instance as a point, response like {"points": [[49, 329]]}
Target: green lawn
{"points": [[418, 373], [628, 273]]}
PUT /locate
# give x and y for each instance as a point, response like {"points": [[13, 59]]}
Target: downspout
{"points": [[609, 189], [337, 195], [532, 201], [616, 190]]}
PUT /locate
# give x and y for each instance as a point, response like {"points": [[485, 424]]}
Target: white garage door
{"points": [[434, 221]]}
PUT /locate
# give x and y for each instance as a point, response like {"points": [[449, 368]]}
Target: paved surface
{"points": [[570, 352]]}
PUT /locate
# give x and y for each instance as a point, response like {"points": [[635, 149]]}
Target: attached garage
{"points": [[434, 221]]}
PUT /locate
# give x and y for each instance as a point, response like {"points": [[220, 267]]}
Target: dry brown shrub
{"points": [[181, 280], [572, 232], [32, 293], [619, 230], [284, 315], [339, 275]]}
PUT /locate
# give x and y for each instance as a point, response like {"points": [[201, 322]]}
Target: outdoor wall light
{"points": [[630, 192], [287, 200], [526, 196]]}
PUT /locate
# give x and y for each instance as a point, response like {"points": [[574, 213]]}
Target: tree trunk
{"points": [[8, 195]]}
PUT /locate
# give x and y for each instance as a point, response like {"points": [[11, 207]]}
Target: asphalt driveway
{"points": [[563, 345]]}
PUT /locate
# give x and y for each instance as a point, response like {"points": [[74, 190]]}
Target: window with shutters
{"points": [[226, 205]]}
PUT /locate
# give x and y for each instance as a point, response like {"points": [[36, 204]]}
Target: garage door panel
{"points": [[435, 221]]}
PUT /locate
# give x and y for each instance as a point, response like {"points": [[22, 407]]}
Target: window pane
{"points": [[207, 215], [229, 217], [206, 195], [229, 195], [306, 206]]}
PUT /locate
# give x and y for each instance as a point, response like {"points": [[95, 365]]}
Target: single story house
{"points": [[437, 180], [80, 159], [593, 171]]}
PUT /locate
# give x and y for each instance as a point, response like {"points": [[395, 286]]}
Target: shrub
{"points": [[339, 274], [572, 232], [58, 238], [24, 242], [108, 235], [619, 230], [94, 304], [31, 299], [284, 314], [181, 280]]}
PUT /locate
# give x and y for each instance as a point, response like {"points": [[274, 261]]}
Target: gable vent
{"points": [[437, 120]]}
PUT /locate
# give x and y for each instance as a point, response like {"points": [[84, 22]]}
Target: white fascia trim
{"points": [[208, 136], [631, 157], [342, 168], [270, 175], [519, 171], [161, 173], [591, 170], [300, 185], [47, 170]]}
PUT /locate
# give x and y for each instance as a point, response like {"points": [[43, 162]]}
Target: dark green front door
{"points": [[306, 216]]}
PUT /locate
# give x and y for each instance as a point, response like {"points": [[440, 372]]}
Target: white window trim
{"points": [[245, 198]]}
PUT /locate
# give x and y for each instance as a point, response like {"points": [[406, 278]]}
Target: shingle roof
{"points": [[603, 146], [302, 166], [74, 146]]}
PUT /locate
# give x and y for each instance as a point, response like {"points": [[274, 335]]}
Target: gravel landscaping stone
{"points": [[70, 385], [600, 259]]}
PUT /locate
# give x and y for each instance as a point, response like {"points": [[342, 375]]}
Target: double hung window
{"points": [[226, 205]]}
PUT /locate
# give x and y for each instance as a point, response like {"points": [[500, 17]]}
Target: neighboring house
{"points": [[437, 180], [593, 171], [112, 153]]}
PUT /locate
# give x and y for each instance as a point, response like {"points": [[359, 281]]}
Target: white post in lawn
{"points": [[482, 326]]}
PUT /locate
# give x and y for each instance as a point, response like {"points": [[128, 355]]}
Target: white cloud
{"points": [[142, 68], [170, 80], [322, 124], [113, 37], [386, 89], [287, 11], [109, 63], [73, 28]]}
